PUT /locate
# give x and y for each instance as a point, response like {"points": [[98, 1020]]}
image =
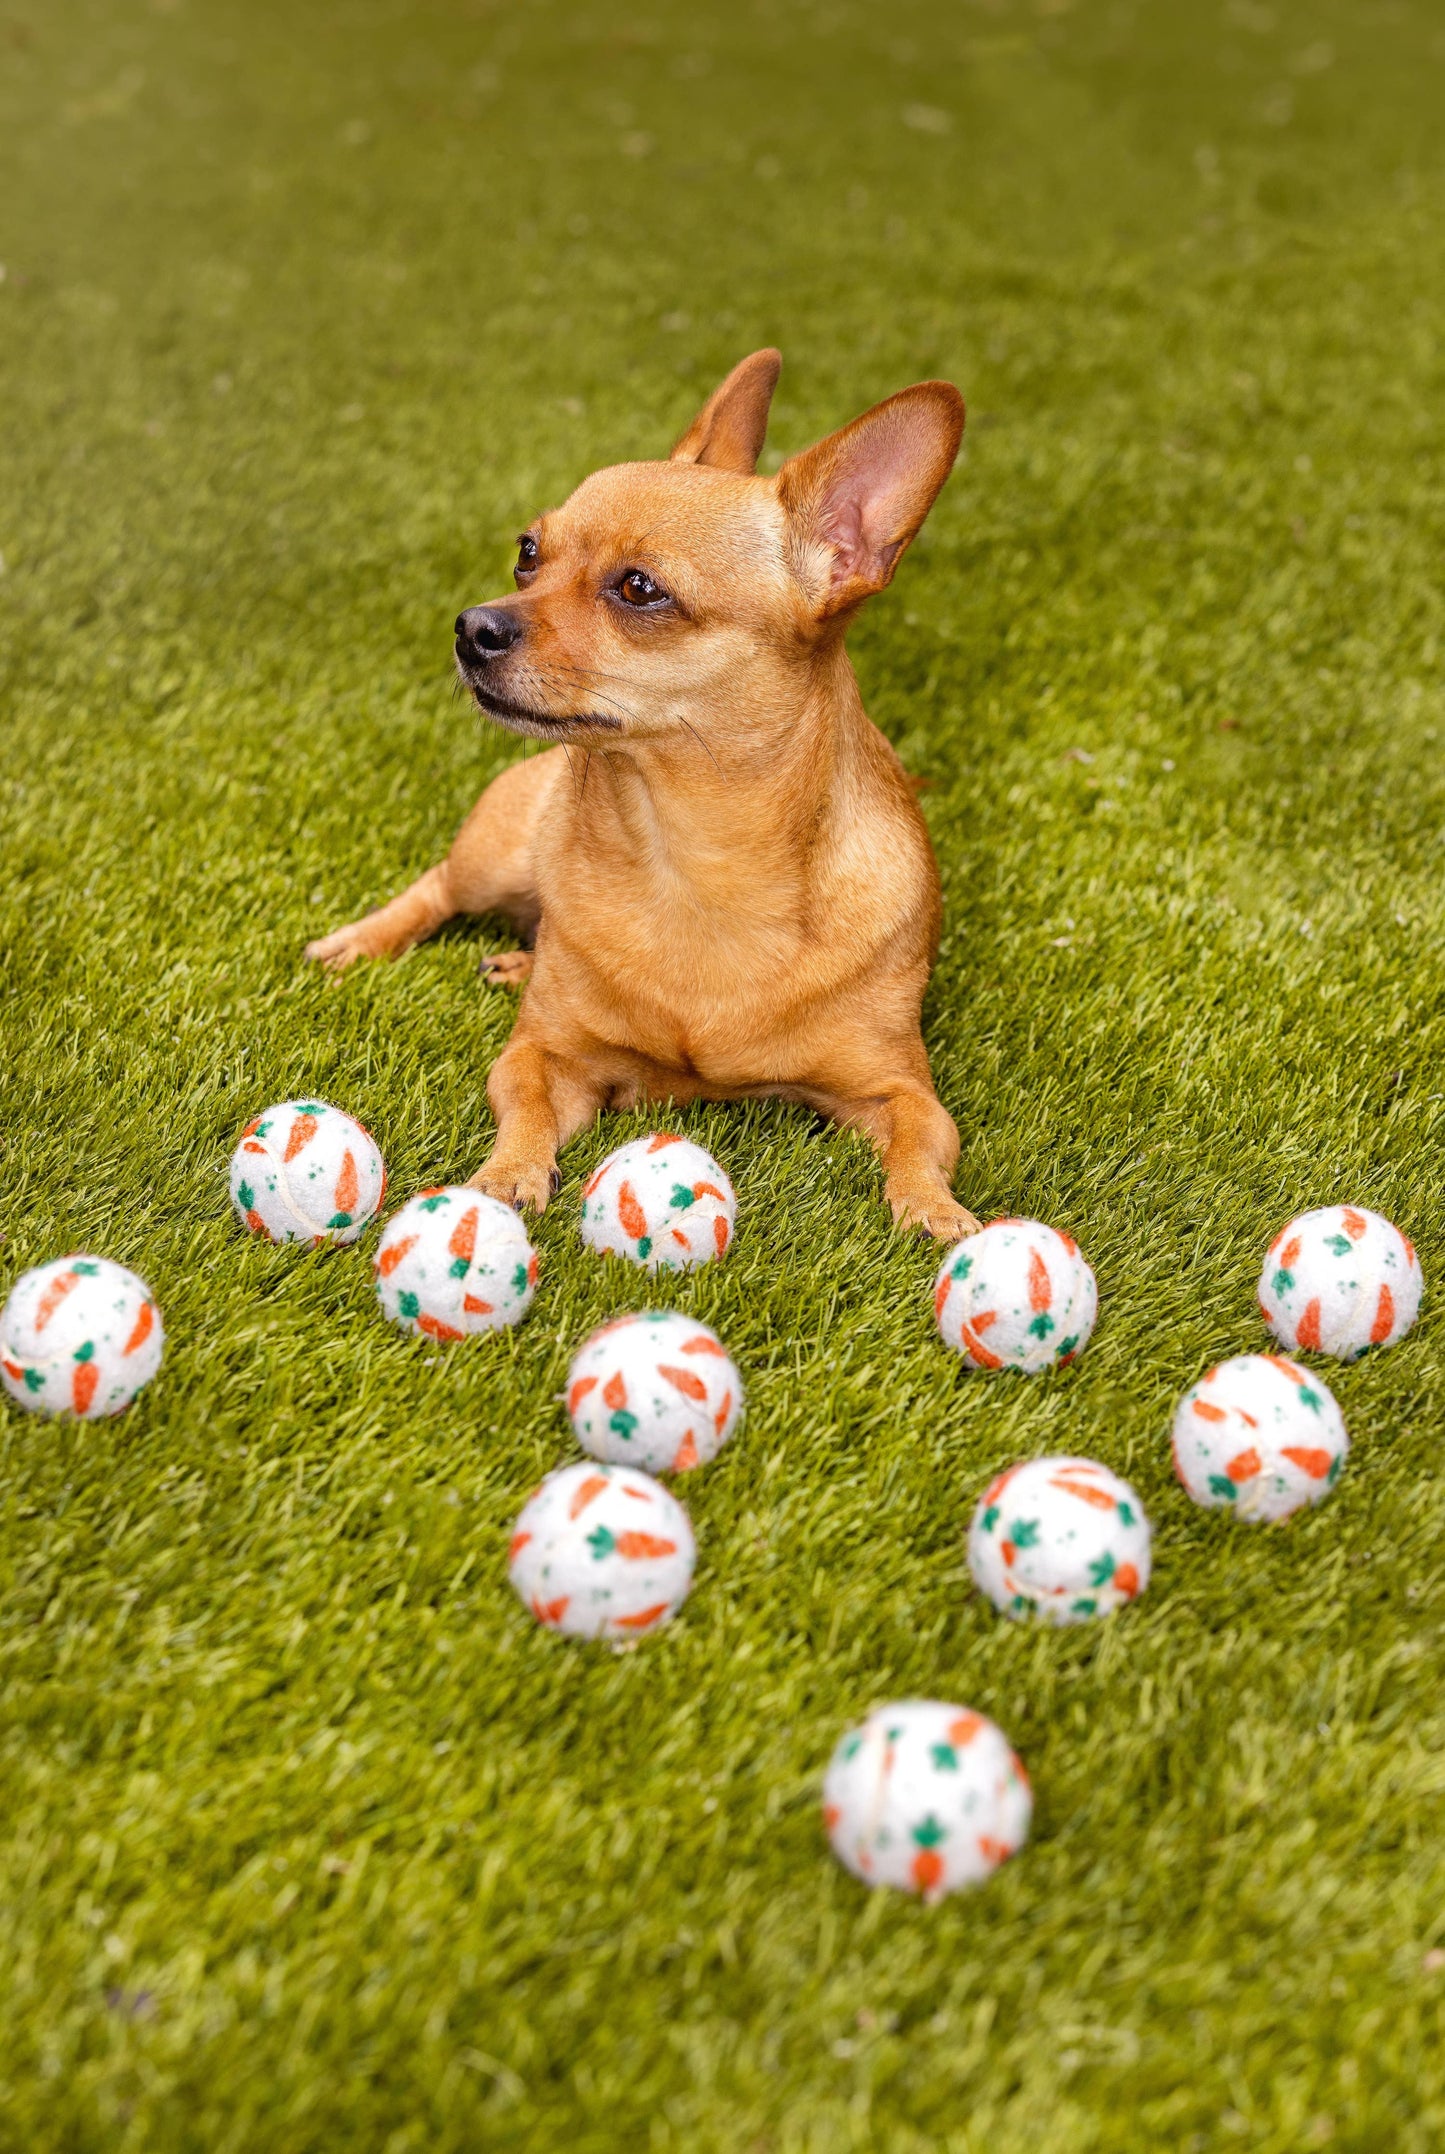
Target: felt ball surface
{"points": [[1339, 1281], [925, 1796], [452, 1263], [1016, 1295], [655, 1390], [659, 1201], [1063, 1539], [306, 1172], [1259, 1436], [602, 1552], [79, 1336]]}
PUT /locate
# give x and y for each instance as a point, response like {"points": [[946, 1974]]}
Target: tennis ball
{"points": [[660, 1201], [306, 1172], [1259, 1436], [1339, 1281], [925, 1796], [1015, 1295], [1062, 1539], [656, 1390], [452, 1263], [602, 1552], [79, 1336]]}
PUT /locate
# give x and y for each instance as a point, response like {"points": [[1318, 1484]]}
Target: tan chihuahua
{"points": [[729, 883]]}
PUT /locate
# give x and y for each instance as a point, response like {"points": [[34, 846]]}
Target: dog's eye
{"points": [[638, 589], [526, 555]]}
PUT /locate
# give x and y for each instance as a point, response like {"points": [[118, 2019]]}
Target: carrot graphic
{"points": [[1353, 1224], [662, 1138], [53, 1296], [1410, 1256], [257, 1148], [1248, 1419], [463, 1243], [1041, 1292], [591, 1183], [1009, 1552], [630, 1212], [637, 1547], [1309, 1325], [963, 1730], [1206, 1412], [1289, 1254], [683, 1380], [686, 1457], [638, 1495], [519, 1542], [83, 1385], [348, 1188], [1068, 1241], [579, 1391], [1098, 1497], [708, 1189], [387, 1262], [831, 1815], [144, 1325], [1315, 1463], [475, 1306], [993, 1850], [252, 1126], [643, 1618], [436, 1329], [614, 1392], [720, 1234], [1243, 1466], [532, 1269], [1286, 1368], [551, 1612], [940, 1296], [996, 1488], [702, 1344], [722, 1413], [1384, 1318], [591, 1487], [258, 1225], [12, 1369], [1126, 1578], [927, 1868], [303, 1129], [977, 1351], [679, 1237]]}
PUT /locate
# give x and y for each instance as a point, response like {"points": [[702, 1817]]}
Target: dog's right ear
{"points": [[729, 431]]}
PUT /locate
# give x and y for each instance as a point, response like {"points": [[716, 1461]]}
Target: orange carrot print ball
{"points": [[306, 1172], [1016, 1295], [662, 1202], [1060, 1539], [452, 1263], [655, 1390], [927, 1797], [79, 1336], [602, 1552], [1259, 1436], [1339, 1281]]}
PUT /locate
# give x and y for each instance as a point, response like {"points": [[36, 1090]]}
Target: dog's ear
{"points": [[728, 432], [854, 501]]}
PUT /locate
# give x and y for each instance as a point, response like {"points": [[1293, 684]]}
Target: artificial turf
{"points": [[309, 1838]]}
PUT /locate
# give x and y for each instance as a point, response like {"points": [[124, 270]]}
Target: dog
{"points": [[719, 864]]}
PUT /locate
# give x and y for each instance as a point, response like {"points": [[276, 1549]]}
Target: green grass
{"points": [[309, 1839]]}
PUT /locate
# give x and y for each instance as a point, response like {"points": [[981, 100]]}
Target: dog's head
{"points": [[692, 594]]}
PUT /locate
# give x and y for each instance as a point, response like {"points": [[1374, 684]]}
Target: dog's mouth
{"points": [[522, 718]]}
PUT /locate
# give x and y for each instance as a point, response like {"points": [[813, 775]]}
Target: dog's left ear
{"points": [[729, 431], [855, 501]]}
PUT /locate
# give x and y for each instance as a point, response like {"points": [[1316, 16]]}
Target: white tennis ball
{"points": [[306, 1172], [1062, 1539], [927, 1797], [452, 1263], [79, 1336], [1016, 1295], [1259, 1436], [660, 1201], [1339, 1281], [655, 1390], [602, 1552]]}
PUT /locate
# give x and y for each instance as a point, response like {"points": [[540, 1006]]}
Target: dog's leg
{"points": [[489, 869], [540, 1099], [918, 1145]]}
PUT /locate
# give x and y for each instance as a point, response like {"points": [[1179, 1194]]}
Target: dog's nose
{"points": [[486, 632]]}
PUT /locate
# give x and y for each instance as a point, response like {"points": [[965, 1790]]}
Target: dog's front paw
{"points": [[335, 952], [524, 1186], [941, 1216]]}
